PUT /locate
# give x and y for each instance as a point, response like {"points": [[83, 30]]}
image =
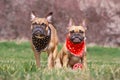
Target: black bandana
{"points": [[42, 43]]}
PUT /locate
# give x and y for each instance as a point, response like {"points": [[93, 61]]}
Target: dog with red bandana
{"points": [[73, 52]]}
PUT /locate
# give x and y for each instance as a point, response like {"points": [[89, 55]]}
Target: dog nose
{"points": [[38, 30]]}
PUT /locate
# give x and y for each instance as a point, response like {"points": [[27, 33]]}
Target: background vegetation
{"points": [[102, 18]]}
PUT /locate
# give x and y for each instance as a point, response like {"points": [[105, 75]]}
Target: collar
{"points": [[75, 49]]}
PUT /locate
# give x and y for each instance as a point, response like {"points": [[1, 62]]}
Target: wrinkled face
{"points": [[40, 26], [76, 34]]}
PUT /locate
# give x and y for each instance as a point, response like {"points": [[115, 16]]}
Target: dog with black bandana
{"points": [[44, 38]]}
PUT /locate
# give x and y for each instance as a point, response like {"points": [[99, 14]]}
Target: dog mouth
{"points": [[39, 36], [41, 33], [77, 39], [38, 32]]}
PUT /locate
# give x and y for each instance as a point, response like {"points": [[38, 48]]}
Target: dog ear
{"points": [[32, 15], [84, 24], [71, 23], [49, 17]]}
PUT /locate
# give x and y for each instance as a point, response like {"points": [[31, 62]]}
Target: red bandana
{"points": [[75, 49]]}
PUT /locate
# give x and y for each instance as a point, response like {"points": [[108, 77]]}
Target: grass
{"points": [[17, 63]]}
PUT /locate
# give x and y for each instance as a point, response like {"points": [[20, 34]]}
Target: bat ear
{"points": [[49, 17], [84, 24], [32, 15], [71, 23]]}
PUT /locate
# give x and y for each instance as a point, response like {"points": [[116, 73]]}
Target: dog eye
{"points": [[81, 31], [72, 31], [43, 24], [34, 23]]}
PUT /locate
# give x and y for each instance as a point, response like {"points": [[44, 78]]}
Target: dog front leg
{"points": [[65, 61], [50, 61], [37, 57], [84, 62], [55, 53]]}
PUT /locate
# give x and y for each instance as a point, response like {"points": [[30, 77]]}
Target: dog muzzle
{"points": [[41, 43], [38, 31]]}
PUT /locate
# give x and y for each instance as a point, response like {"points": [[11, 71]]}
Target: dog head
{"points": [[76, 34], [40, 26]]}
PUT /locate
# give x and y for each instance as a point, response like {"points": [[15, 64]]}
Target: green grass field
{"points": [[17, 63]]}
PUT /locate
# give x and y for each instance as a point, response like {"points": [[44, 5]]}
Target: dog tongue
{"points": [[75, 49]]}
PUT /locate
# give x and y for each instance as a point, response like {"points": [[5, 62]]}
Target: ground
{"points": [[17, 63]]}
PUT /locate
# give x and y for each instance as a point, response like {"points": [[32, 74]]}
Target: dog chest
{"points": [[74, 59]]}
